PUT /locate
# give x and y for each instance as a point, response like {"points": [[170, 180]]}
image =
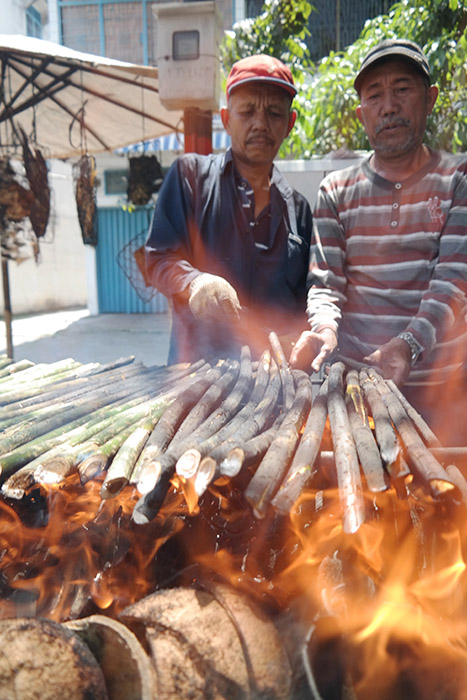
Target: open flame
{"points": [[395, 588], [385, 600]]}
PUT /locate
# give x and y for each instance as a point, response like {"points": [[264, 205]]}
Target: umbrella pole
{"points": [[7, 315]]}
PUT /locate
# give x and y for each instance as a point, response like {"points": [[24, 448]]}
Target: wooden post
{"points": [[7, 315], [198, 131]]}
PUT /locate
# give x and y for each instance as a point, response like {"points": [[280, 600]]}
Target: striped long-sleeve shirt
{"points": [[389, 257]]}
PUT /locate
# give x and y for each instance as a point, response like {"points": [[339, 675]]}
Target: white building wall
{"points": [[13, 16], [59, 279]]}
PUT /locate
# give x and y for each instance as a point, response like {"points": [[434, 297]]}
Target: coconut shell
{"points": [[43, 660], [126, 667], [215, 644]]}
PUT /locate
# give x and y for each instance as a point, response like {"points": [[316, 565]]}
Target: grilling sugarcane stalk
{"points": [[347, 466], [155, 469], [85, 387], [422, 460], [101, 446], [275, 462], [72, 433], [104, 444], [239, 421], [251, 451], [59, 461], [214, 465], [169, 421], [8, 368], [123, 464], [34, 380], [154, 483], [86, 438], [367, 449], [5, 361], [106, 382], [423, 428], [301, 469], [22, 478], [208, 402], [288, 387], [97, 385], [75, 409], [55, 469], [72, 414], [385, 435]]}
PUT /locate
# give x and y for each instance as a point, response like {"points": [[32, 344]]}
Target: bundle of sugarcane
{"points": [[187, 426], [54, 416], [398, 449]]}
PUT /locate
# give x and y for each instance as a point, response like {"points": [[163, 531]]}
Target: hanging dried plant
{"points": [[37, 177], [144, 180], [84, 177], [15, 200]]}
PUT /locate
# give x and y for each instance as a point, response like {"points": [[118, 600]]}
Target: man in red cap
{"points": [[229, 240]]}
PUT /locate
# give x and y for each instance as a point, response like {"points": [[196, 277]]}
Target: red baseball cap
{"points": [[261, 69]]}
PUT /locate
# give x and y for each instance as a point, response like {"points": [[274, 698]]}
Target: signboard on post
{"points": [[188, 38]]}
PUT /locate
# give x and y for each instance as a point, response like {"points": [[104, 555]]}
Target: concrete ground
{"points": [[48, 337]]}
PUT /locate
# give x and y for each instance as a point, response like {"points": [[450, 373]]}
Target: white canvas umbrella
{"points": [[68, 102]]}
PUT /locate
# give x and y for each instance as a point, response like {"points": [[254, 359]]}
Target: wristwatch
{"points": [[415, 348]]}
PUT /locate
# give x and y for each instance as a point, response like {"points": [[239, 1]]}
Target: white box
{"points": [[188, 38]]}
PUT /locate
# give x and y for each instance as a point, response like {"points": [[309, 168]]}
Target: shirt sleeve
{"points": [[444, 304], [326, 276], [168, 248]]}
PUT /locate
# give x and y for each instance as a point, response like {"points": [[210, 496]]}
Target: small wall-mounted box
{"points": [[188, 38]]}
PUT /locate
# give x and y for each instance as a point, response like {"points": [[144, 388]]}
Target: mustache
{"points": [[398, 121]]}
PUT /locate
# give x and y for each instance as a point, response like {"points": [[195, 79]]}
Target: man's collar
{"points": [[277, 179]]}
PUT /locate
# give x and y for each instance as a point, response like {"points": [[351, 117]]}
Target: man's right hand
{"points": [[212, 298], [312, 349]]}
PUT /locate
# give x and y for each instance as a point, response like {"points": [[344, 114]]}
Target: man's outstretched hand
{"points": [[393, 358], [312, 349]]}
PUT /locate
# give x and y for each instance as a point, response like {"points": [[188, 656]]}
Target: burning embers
{"points": [[162, 499]]}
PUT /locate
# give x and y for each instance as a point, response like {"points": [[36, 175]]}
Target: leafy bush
{"points": [[327, 100]]}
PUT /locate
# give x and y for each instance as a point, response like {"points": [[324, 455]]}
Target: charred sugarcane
{"points": [[243, 419], [347, 466], [170, 420], [385, 435], [274, 464], [163, 466], [301, 469], [423, 462], [216, 463], [149, 504], [288, 387], [367, 449]]}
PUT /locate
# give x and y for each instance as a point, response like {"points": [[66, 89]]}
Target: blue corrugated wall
{"points": [[119, 234]]}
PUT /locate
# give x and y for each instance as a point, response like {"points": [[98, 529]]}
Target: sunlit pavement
{"points": [[49, 337]]}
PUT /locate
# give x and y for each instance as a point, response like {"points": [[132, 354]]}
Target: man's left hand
{"points": [[393, 358]]}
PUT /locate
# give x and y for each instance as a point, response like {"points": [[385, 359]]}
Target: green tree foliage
{"points": [[327, 100]]}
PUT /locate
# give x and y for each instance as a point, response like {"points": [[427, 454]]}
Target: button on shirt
{"points": [[259, 226]]}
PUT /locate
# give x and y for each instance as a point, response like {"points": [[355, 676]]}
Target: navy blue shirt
{"points": [[204, 221]]}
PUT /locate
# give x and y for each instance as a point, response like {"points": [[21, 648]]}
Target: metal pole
{"points": [[198, 131], [7, 315]]}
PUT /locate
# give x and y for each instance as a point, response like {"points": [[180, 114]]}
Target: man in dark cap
{"points": [[229, 240], [388, 266]]}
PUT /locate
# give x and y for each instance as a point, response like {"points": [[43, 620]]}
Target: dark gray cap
{"points": [[394, 48]]}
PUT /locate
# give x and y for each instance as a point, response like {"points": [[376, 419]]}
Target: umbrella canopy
{"points": [[70, 103]]}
